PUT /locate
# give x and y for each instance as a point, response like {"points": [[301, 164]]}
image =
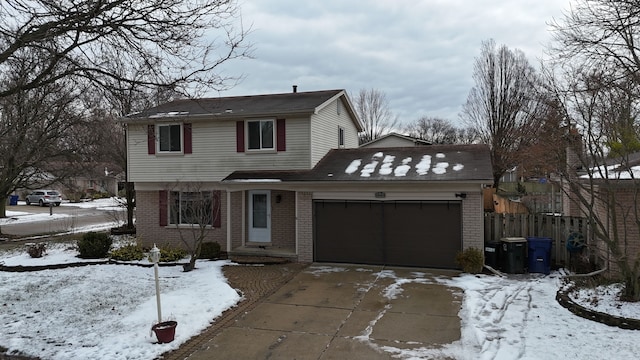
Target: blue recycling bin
{"points": [[13, 200], [539, 254]]}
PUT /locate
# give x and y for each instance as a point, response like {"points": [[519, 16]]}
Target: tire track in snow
{"points": [[501, 318]]}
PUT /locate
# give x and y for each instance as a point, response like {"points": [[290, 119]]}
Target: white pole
{"points": [[155, 257]]}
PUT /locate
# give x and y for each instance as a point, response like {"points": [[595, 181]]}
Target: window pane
{"points": [[174, 207], [254, 134], [259, 210], [175, 138], [267, 134], [170, 139]]}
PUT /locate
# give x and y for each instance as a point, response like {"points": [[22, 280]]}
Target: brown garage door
{"points": [[405, 233]]}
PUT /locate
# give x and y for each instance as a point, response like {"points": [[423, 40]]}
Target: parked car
{"points": [[44, 198]]}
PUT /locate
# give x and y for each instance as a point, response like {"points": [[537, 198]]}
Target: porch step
{"points": [[256, 255]]}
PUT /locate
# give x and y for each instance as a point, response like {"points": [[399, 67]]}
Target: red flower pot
{"points": [[165, 331]]}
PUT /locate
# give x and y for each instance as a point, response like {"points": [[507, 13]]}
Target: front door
{"points": [[260, 216]]}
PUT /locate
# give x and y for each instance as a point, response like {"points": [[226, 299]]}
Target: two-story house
{"points": [[283, 174]]}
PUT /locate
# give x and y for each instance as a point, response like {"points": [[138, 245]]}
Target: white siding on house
{"points": [[214, 154], [324, 130]]}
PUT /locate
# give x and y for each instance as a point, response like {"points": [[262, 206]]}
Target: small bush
{"points": [[171, 254], [471, 260], [94, 245], [131, 252], [36, 250], [210, 250]]}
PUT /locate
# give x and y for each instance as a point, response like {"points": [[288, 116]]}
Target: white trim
{"points": [[228, 221], [274, 131], [157, 139], [297, 235], [244, 218]]}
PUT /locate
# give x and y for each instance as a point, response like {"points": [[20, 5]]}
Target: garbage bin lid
{"points": [[514, 239]]}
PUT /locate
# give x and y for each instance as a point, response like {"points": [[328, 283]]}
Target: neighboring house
{"points": [[395, 140], [613, 189], [286, 177], [98, 179]]}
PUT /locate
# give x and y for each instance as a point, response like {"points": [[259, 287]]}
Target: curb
{"points": [[562, 296]]}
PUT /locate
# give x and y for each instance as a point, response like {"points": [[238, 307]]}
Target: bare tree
{"points": [[86, 39], [196, 212], [440, 131], [605, 190], [433, 130], [43, 133], [372, 107], [503, 105]]}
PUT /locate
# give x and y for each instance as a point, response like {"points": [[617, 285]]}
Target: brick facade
{"points": [[305, 226], [150, 232], [473, 221]]}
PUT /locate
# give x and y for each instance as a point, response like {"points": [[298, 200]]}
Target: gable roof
{"points": [[411, 139], [432, 163], [294, 103]]}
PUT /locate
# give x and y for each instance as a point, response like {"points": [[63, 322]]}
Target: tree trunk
{"points": [[3, 207], [129, 195]]}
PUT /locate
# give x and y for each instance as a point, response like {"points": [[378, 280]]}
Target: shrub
{"points": [[471, 260], [172, 254], [209, 250], [131, 252], [36, 250], [94, 245]]}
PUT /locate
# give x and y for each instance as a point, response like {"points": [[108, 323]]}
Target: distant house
{"points": [[395, 140], [291, 181]]}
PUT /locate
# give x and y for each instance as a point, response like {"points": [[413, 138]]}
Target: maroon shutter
{"points": [[186, 128], [151, 139], [281, 144], [162, 204], [240, 136], [217, 214]]}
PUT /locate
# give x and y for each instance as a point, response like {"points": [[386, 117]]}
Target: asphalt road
{"points": [[77, 219]]}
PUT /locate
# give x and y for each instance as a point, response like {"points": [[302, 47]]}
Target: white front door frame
{"points": [[259, 216]]}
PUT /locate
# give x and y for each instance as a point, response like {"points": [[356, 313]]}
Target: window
{"points": [[340, 136], [192, 208], [170, 138], [260, 135]]}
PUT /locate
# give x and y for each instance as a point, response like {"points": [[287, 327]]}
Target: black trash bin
{"points": [[514, 254], [539, 254], [492, 254]]}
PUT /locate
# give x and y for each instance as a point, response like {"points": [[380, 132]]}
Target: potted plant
{"points": [[165, 331]]}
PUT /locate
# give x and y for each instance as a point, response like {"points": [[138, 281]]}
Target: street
{"points": [[58, 219]]}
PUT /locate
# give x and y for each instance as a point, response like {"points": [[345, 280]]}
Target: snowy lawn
{"points": [[104, 311]]}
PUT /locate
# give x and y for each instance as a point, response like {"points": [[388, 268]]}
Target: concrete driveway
{"points": [[345, 312]]}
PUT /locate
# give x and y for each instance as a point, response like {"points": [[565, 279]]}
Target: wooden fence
{"points": [[558, 228]]}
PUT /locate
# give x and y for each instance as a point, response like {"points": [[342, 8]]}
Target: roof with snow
{"points": [[293, 103], [461, 163]]}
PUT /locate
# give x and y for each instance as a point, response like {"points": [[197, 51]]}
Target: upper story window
{"points": [[260, 135], [340, 136], [170, 138]]}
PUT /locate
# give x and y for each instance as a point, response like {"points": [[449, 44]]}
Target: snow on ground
{"points": [[105, 311]]}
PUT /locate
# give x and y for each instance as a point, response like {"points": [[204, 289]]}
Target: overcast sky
{"points": [[420, 53]]}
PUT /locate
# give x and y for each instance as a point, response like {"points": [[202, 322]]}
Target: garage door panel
{"points": [[405, 233], [422, 234], [350, 232]]}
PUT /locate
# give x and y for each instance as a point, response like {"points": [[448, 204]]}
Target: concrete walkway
{"points": [[330, 312]]}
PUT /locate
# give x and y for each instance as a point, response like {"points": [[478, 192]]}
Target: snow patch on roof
{"points": [[440, 168], [387, 167], [169, 114], [353, 167], [423, 166]]}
